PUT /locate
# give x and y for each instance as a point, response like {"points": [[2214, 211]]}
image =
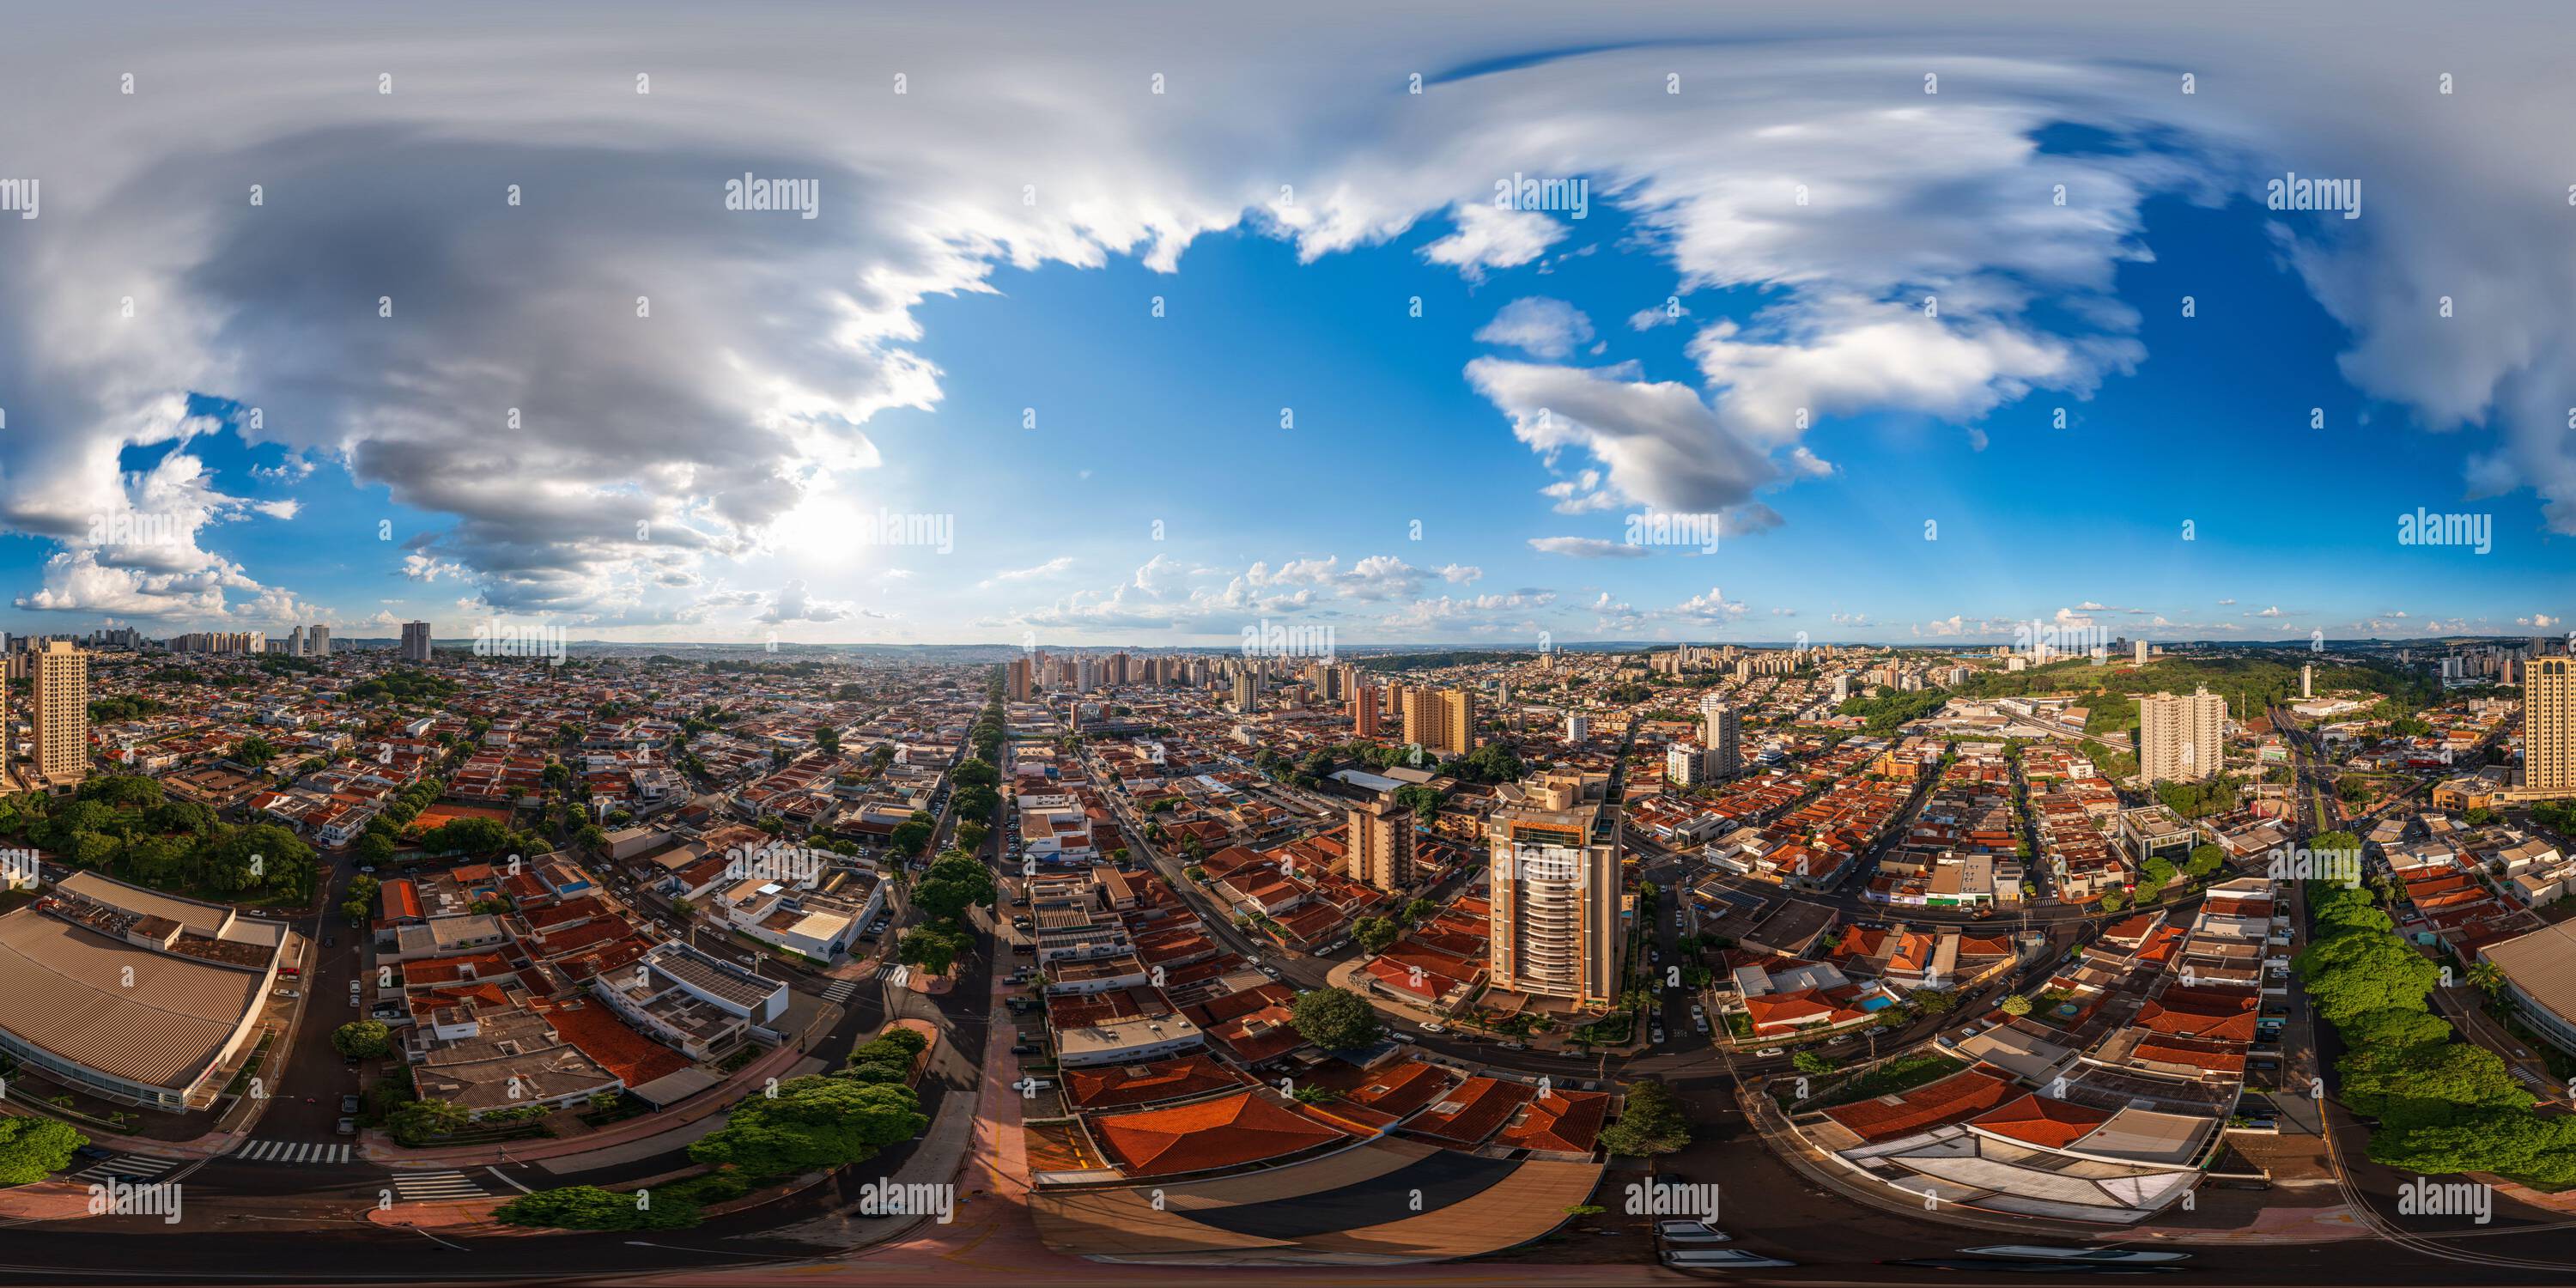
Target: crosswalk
{"points": [[894, 971], [840, 990], [135, 1168], [293, 1151], [429, 1187]]}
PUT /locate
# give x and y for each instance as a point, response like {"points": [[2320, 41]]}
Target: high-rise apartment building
{"points": [[2308, 680], [1364, 711], [317, 640], [2142, 652], [295, 642], [1441, 720], [2549, 725], [1578, 728], [58, 710], [1247, 691], [1381, 844], [2181, 739], [415, 641], [1554, 889], [1016, 685], [1721, 733], [1685, 765]]}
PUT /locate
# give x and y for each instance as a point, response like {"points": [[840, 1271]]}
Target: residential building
{"points": [[415, 641], [1720, 735], [2549, 726], [1554, 891], [1381, 844], [58, 710], [1365, 703], [2181, 739], [1440, 720]]}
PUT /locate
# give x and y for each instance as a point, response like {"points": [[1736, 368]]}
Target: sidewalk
{"points": [[779, 1064]]}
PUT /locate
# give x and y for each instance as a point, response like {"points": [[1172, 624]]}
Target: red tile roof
{"points": [[1228, 1131], [2037, 1120], [1953, 1099]]}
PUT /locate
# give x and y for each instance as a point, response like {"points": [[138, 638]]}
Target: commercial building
{"points": [[1554, 890], [2549, 726], [2181, 739], [1381, 844], [415, 641], [1440, 720], [130, 994], [2540, 971], [58, 710]]}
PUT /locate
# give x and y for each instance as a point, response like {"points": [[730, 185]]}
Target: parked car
{"points": [[1690, 1232], [1657, 1035], [1023, 1048], [1405, 1038], [1434, 1026], [1768, 1052], [1720, 1259], [349, 1103], [347, 1127], [1516, 1046]]}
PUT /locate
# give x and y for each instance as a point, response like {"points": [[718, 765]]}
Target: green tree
{"points": [[33, 1148], [955, 882], [1335, 1019], [2016, 1004], [365, 1039], [1376, 933], [933, 948], [2205, 859], [811, 1124], [1813, 1063], [588, 1207], [1651, 1121], [2352, 973]]}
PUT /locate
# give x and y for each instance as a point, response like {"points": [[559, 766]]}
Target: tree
{"points": [[254, 751], [417, 1122], [2114, 900], [2016, 1004], [933, 948], [588, 1207], [1813, 1063], [811, 1124], [1421, 910], [2427, 1081], [1423, 801], [911, 835], [1335, 1019], [954, 883], [2488, 978], [365, 1039], [33, 1148], [373, 850], [2352, 973], [1650, 1122], [1931, 1001], [2205, 859], [828, 738], [1376, 933]]}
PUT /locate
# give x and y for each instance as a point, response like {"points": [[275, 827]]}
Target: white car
{"points": [[1769, 1052], [1720, 1259], [1434, 1026], [2133, 1256]]}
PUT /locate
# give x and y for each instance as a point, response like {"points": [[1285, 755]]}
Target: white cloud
{"points": [[1539, 326], [1586, 548], [1048, 569], [1487, 237]]}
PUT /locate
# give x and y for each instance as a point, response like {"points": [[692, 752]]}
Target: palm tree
{"points": [[2488, 979]]}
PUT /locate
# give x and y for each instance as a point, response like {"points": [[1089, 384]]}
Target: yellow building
{"points": [[1440, 720], [2549, 726], [58, 709]]}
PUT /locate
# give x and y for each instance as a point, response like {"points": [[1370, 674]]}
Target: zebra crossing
{"points": [[896, 971], [430, 1187], [293, 1151], [840, 990], [133, 1168]]}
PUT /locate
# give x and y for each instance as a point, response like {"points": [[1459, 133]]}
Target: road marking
{"points": [[292, 1151], [431, 1186], [128, 1165], [512, 1180], [840, 990]]}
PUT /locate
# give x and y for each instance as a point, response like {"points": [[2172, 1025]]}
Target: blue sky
{"points": [[1462, 471]]}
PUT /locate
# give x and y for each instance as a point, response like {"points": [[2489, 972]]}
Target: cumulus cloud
{"points": [[1539, 326]]}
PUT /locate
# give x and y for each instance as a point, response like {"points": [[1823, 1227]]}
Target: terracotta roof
{"points": [[1228, 1131], [1143, 1084], [1567, 1121], [2037, 1120], [1953, 1099]]}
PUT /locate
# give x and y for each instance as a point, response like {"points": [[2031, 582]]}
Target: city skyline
{"points": [[1910, 337]]}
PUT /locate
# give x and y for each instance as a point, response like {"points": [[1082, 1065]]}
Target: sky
{"points": [[1141, 325]]}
